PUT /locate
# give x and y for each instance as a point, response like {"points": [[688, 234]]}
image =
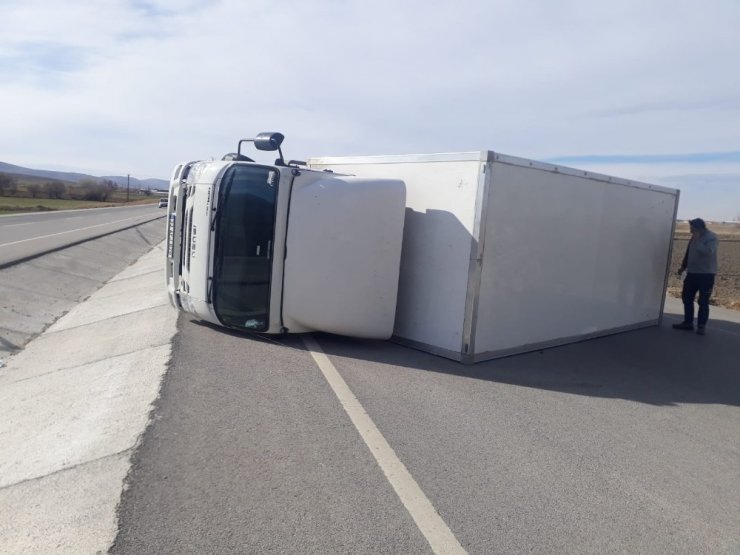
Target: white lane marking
{"points": [[16, 225], [435, 530], [70, 231]]}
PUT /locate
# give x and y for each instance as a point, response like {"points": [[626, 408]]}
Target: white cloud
{"points": [[135, 87]]}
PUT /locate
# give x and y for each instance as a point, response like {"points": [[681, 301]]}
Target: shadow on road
{"points": [[657, 365]]}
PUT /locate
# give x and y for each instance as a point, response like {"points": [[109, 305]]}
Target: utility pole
{"points": [[128, 179]]}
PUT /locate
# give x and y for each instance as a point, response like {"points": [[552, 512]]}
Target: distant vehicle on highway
{"points": [[162, 203]]}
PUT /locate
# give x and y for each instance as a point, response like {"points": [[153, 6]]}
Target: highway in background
{"points": [[23, 236]]}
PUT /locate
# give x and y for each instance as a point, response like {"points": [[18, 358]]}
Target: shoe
{"points": [[684, 326], [700, 331]]}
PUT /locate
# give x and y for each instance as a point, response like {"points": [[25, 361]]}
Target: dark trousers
{"points": [[693, 284]]}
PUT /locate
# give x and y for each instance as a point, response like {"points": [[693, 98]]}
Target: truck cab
{"points": [[280, 248]]}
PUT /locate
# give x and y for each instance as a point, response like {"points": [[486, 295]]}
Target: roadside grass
{"points": [[16, 205], [20, 200]]}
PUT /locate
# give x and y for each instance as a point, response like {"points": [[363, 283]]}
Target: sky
{"points": [[647, 90]]}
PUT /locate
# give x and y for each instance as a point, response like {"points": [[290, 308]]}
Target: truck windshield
{"points": [[243, 251]]}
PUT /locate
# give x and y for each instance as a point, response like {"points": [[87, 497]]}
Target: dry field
{"points": [[727, 285]]}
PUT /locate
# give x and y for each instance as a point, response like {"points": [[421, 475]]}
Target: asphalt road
{"points": [[627, 443], [24, 236]]}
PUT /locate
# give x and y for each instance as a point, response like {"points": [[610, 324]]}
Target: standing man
{"points": [[700, 262]]}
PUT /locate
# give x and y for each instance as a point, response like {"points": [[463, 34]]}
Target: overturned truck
{"points": [[470, 256]]}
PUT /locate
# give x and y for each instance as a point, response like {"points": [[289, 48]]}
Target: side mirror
{"points": [[268, 141], [264, 141]]}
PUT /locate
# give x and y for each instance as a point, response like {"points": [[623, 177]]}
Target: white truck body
{"points": [[503, 255], [276, 249]]}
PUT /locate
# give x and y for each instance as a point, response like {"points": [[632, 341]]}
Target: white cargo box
{"points": [[503, 255]]}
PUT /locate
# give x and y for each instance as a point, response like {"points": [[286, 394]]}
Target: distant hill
{"points": [[72, 177]]}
